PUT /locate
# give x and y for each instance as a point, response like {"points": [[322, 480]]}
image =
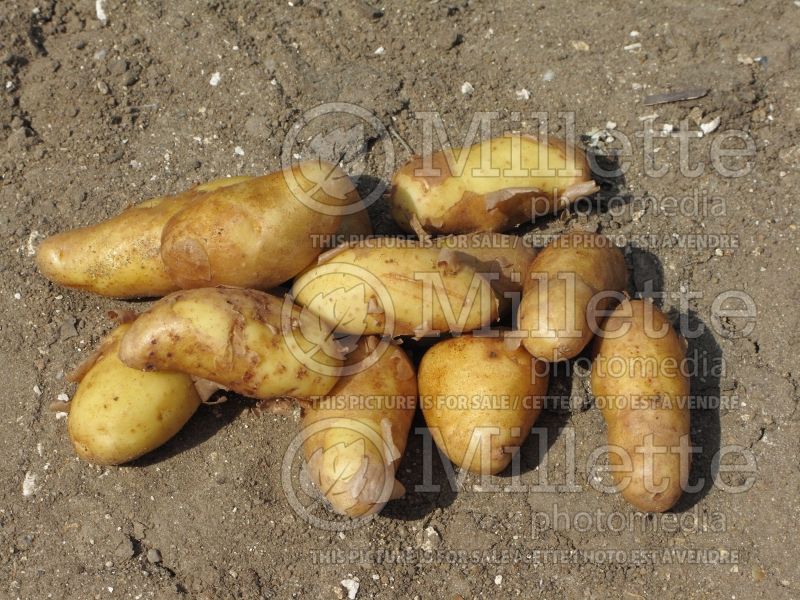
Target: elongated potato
{"points": [[480, 397], [568, 284], [120, 257], [118, 413], [259, 232], [247, 341], [507, 257], [391, 286], [358, 432], [492, 186], [638, 380]]}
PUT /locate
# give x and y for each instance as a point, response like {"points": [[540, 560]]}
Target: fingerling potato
{"points": [[119, 414], [639, 381], [493, 185], [247, 341], [480, 397], [358, 431]]}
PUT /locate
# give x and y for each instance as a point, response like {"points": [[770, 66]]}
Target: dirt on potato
{"points": [[108, 103]]}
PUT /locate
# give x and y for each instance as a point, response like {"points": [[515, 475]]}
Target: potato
{"points": [[247, 341], [260, 232], [505, 256], [480, 397], [118, 413], [120, 257], [358, 432], [567, 287], [494, 185], [394, 287], [639, 382]]}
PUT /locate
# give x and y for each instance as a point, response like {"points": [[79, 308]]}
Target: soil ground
{"points": [[95, 116]]}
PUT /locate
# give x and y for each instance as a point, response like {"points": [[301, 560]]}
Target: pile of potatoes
{"points": [[501, 310]]}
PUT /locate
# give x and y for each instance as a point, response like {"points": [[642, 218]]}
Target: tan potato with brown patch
{"points": [[119, 414], [357, 433], [394, 287], [493, 185], [246, 341], [480, 397], [639, 382], [570, 283], [260, 232]]}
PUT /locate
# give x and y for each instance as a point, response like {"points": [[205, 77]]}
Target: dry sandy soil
{"points": [[95, 116]]}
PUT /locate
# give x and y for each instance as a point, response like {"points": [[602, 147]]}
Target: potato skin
{"points": [[477, 200], [637, 401], [353, 468], [470, 382], [258, 233], [594, 265], [119, 414], [377, 285], [239, 339]]}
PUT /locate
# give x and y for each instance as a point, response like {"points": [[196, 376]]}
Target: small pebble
{"points": [[466, 88], [498, 580], [154, 556], [215, 79], [549, 75], [523, 94]]}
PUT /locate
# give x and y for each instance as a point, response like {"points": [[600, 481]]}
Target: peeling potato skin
{"points": [[120, 257], [334, 288], [233, 337], [466, 202], [119, 414], [356, 475], [257, 233], [629, 422], [507, 256], [485, 368], [597, 266]]}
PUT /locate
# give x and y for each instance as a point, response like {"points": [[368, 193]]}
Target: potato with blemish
{"points": [[570, 282], [247, 341], [261, 232], [119, 414], [504, 258], [357, 433], [480, 397], [493, 185], [395, 287], [639, 382]]}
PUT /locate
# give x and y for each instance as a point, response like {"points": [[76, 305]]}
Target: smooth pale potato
{"points": [[394, 287], [259, 232], [506, 257], [642, 390], [491, 186], [119, 414], [358, 432], [247, 341], [120, 257], [480, 397], [566, 290]]}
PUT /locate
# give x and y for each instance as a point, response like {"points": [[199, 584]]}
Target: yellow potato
{"points": [[247, 341], [491, 186], [393, 287], [259, 232], [567, 288], [120, 257], [639, 382], [480, 397], [119, 413], [358, 432]]}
